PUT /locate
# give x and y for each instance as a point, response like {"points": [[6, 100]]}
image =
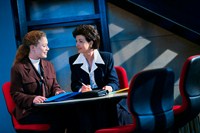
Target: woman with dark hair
{"points": [[33, 79], [92, 69]]}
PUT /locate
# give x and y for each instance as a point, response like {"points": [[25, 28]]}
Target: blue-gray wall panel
{"points": [[7, 53]]}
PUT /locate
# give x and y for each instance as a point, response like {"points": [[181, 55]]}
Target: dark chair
{"points": [[189, 87], [150, 100], [11, 105]]}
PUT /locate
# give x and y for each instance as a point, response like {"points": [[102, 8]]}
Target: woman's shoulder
{"points": [[20, 64], [73, 57], [46, 62], [105, 54], [17, 66]]}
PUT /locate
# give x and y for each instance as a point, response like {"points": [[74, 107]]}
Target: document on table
{"points": [[62, 97]]}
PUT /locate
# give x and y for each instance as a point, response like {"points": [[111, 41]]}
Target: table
{"points": [[113, 96], [89, 114]]}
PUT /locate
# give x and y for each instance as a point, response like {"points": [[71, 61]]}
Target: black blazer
{"points": [[105, 74]]}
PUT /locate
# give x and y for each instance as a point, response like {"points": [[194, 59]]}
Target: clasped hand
{"points": [[41, 99], [86, 88]]}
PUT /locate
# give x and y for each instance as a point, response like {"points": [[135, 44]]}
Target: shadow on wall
{"points": [[139, 45], [60, 59]]}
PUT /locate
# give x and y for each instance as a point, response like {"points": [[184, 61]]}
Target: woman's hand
{"points": [[39, 99], [109, 88], [85, 88], [60, 91]]}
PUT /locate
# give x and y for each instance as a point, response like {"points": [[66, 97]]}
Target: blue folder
{"points": [[62, 97]]}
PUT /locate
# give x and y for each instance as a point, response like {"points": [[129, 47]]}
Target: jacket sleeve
{"points": [[112, 74]]}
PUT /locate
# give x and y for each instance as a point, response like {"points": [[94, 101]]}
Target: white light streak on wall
{"points": [[161, 61], [114, 29], [131, 49]]}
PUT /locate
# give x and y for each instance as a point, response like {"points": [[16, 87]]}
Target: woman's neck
{"points": [[89, 56], [33, 56]]}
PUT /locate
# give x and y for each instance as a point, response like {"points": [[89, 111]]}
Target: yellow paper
{"points": [[120, 90]]}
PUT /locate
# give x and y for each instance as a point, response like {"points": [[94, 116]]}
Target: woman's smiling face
{"points": [[82, 45], [41, 49]]}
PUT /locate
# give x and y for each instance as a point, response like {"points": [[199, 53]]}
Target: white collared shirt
{"points": [[82, 60]]}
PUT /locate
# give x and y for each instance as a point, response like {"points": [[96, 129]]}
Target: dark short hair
{"points": [[90, 34]]}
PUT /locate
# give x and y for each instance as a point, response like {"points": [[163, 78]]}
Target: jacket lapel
{"points": [[30, 71]]}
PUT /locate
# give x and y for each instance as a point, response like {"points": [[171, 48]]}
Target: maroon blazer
{"points": [[26, 85]]}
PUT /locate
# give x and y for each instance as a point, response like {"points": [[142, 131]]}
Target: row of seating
{"points": [[150, 100], [151, 103]]}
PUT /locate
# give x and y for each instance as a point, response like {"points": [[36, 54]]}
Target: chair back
{"points": [[189, 87], [122, 76], [150, 99], [11, 106], [8, 99]]}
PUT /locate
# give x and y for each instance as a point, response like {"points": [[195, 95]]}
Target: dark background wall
{"points": [[179, 17], [185, 13]]}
